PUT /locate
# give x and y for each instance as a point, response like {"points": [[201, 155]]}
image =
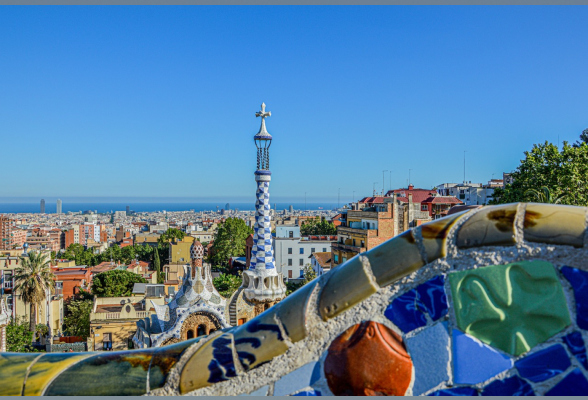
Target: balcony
{"points": [[7, 285], [347, 247], [356, 231]]}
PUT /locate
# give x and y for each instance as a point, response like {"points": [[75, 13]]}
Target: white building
{"points": [[470, 193], [292, 252]]}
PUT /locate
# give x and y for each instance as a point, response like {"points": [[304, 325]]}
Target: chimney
{"points": [[410, 187]]}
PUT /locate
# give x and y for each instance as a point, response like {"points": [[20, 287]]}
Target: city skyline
{"points": [[163, 110]]}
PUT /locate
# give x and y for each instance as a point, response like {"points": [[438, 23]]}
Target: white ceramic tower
{"points": [[261, 282]]}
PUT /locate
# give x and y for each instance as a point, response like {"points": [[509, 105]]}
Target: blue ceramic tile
{"points": [[579, 281], [576, 345], [409, 310], [262, 391], [430, 356], [298, 379], [513, 386], [432, 297], [460, 391], [544, 364], [474, 361], [311, 392], [574, 384]]}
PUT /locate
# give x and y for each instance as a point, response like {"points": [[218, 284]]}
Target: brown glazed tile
{"points": [[164, 359], [211, 363], [48, 367], [395, 258], [555, 224], [491, 226], [435, 235], [368, 359], [292, 312], [259, 340], [348, 285], [13, 369]]}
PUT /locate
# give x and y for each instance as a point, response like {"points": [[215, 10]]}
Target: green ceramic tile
{"points": [[512, 307], [491, 226], [13, 368], [395, 258], [48, 367], [292, 312], [555, 224], [164, 360], [105, 374], [435, 235], [347, 285]]}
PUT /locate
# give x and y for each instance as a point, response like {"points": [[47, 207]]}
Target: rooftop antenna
{"points": [[304, 201], [390, 182], [383, 178], [464, 181], [375, 188], [339, 199], [409, 176], [353, 198]]}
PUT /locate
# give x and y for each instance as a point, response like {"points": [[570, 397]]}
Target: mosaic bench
{"points": [[487, 302]]}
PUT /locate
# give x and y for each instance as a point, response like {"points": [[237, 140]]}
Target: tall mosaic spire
{"points": [[262, 282]]}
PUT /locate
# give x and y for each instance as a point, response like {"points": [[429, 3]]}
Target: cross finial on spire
{"points": [[262, 113]]}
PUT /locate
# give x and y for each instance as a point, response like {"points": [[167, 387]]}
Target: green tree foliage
{"points": [[583, 138], [226, 284], [317, 226], [77, 319], [19, 337], [309, 275], [171, 234], [115, 283], [229, 240], [32, 280], [157, 267], [81, 256], [563, 173], [543, 196]]}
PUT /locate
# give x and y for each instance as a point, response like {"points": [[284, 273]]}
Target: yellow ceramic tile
{"points": [[555, 224], [435, 235], [48, 367], [491, 226], [13, 369], [259, 340], [395, 258], [292, 312], [348, 285], [211, 363]]}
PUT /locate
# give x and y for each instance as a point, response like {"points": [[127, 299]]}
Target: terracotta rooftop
{"points": [[323, 258]]}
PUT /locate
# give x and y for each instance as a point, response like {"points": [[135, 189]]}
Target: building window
{"points": [[362, 243], [289, 250], [324, 249], [201, 330], [301, 262], [289, 262], [290, 274], [301, 273], [354, 242], [344, 259], [336, 259], [425, 207], [107, 341], [312, 250], [302, 250], [291, 234]]}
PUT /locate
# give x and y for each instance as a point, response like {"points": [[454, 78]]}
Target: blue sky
{"points": [[160, 101]]}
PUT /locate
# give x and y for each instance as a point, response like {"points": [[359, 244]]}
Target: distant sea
{"points": [[50, 208]]}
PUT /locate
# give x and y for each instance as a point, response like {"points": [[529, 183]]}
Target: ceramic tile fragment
{"points": [[555, 224], [368, 359], [577, 347], [298, 379], [458, 391], [311, 392], [212, 362], [513, 386], [512, 307], [48, 367], [259, 340], [475, 362], [348, 285], [408, 310], [262, 391], [164, 359], [14, 367], [574, 384], [125, 372], [544, 364], [429, 351], [492, 226], [395, 258], [292, 313], [579, 281], [435, 233]]}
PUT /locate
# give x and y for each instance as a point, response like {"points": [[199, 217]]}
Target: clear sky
{"points": [[161, 101]]}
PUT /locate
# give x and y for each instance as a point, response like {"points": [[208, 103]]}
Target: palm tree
{"points": [[544, 196], [32, 279]]}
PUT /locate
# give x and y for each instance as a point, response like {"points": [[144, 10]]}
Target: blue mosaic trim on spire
{"points": [[262, 252]]}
